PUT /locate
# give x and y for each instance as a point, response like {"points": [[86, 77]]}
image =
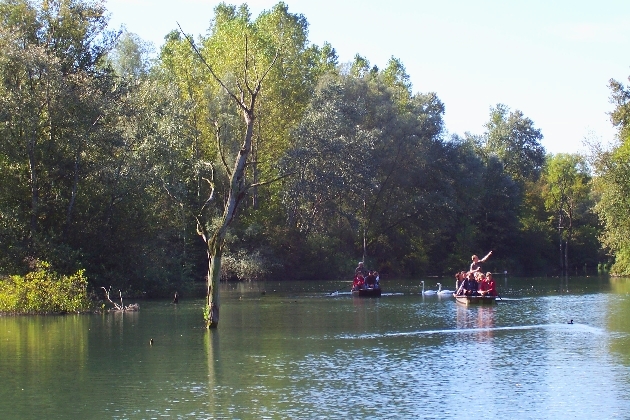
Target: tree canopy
{"points": [[107, 151]]}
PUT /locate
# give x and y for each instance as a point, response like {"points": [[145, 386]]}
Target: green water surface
{"points": [[293, 350]]}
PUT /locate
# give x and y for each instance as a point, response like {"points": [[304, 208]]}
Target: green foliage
{"points": [[535, 229], [44, 291], [371, 167], [567, 198], [612, 184], [106, 155], [513, 138], [567, 183], [243, 265], [130, 57], [395, 76], [621, 266]]}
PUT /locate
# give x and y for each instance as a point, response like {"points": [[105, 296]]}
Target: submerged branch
{"points": [[120, 307]]}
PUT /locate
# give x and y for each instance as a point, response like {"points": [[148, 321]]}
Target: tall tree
{"points": [[130, 57], [239, 55], [395, 76], [612, 183], [567, 187], [513, 138], [369, 164], [54, 88]]}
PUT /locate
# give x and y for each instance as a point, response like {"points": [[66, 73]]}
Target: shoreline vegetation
{"points": [[44, 291], [114, 166]]}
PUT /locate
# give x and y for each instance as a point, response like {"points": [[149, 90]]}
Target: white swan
{"points": [[428, 292], [443, 291]]}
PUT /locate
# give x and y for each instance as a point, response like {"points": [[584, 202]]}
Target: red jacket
{"points": [[358, 282]]}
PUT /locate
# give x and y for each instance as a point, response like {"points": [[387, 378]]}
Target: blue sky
{"points": [[550, 59]]}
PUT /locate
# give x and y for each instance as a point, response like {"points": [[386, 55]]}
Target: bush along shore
{"points": [[44, 291]]}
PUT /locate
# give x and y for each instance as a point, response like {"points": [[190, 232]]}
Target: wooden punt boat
{"points": [[475, 300], [367, 292]]}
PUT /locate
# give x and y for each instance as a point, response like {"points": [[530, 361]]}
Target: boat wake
{"points": [[559, 327]]}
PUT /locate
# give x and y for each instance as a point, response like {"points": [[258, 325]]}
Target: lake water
{"points": [[297, 352]]}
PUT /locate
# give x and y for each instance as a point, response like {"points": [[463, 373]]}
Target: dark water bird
{"points": [[263, 292], [570, 322], [151, 342]]}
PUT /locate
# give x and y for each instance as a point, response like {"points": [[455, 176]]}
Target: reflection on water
{"points": [[477, 318], [297, 352]]}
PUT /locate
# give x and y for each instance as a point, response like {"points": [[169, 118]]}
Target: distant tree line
{"points": [[113, 160]]}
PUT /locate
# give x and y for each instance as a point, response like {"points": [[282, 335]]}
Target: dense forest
{"points": [[117, 160]]}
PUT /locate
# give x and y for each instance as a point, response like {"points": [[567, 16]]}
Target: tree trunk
{"points": [[215, 243], [566, 257], [214, 277], [254, 165], [562, 267]]}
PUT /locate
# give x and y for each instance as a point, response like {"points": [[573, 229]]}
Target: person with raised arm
{"points": [[476, 262]]}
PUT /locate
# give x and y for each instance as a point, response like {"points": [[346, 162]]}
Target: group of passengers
{"points": [[364, 278], [473, 282]]}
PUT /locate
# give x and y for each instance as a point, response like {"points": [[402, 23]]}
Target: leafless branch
{"points": [[217, 131], [210, 196]]}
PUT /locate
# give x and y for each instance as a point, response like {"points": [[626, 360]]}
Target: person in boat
{"points": [[358, 282], [492, 287], [459, 278], [474, 286], [482, 283], [469, 286], [378, 279], [464, 285], [460, 281], [361, 270], [476, 262], [370, 280]]}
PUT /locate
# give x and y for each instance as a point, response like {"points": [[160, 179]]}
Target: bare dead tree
{"points": [[244, 97]]}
